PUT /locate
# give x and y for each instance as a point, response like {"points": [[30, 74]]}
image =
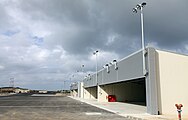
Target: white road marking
{"points": [[93, 113], [29, 106], [43, 95], [29, 100]]}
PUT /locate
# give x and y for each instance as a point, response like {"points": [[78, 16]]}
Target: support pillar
{"points": [[151, 83]]}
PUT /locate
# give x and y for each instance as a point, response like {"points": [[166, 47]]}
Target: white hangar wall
{"points": [[172, 77]]}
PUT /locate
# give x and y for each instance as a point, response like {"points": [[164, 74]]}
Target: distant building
{"points": [[7, 90], [43, 91], [13, 90], [21, 90]]}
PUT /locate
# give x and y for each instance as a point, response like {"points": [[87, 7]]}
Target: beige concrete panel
{"points": [[102, 94], [90, 93], [74, 93], [104, 91], [173, 81], [86, 93], [93, 92]]}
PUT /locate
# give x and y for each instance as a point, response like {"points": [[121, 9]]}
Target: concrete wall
{"points": [[90, 93], [74, 93], [86, 95], [172, 81], [104, 91], [102, 94]]}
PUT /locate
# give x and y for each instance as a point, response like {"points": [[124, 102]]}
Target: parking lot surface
{"points": [[44, 107]]}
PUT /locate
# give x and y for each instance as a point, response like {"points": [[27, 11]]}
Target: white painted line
{"points": [[93, 113], [28, 100], [42, 95], [29, 106]]}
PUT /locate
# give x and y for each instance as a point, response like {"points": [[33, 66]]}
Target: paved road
{"points": [[28, 107]]}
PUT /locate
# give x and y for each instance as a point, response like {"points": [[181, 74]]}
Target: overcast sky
{"points": [[44, 42]]}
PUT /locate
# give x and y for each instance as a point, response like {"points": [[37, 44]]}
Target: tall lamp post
{"points": [[82, 68], [81, 71], [95, 53], [151, 93], [135, 10]]}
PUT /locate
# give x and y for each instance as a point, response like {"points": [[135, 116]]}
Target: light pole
{"points": [[82, 67], [135, 10], [81, 71], [95, 53], [12, 82], [68, 82]]}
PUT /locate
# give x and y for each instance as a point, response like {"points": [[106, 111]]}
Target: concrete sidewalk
{"points": [[133, 112]]}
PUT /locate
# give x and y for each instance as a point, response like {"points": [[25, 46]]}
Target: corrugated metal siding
{"points": [[90, 82], [128, 68], [131, 67]]}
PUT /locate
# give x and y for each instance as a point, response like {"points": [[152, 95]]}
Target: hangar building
{"points": [[164, 85]]}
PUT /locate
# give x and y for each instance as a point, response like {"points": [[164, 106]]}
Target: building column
{"points": [[151, 83], [81, 90]]}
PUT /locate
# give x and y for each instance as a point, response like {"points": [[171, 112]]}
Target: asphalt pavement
{"points": [[44, 107]]}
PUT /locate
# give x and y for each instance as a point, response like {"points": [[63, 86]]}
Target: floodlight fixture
{"points": [[107, 68], [85, 77], [95, 52], [115, 64], [114, 61], [89, 76], [143, 4], [135, 10], [138, 6]]}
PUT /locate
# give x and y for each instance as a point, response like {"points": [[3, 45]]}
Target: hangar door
{"points": [[132, 91]]}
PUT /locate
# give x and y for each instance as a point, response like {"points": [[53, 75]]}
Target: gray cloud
{"points": [[48, 40]]}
